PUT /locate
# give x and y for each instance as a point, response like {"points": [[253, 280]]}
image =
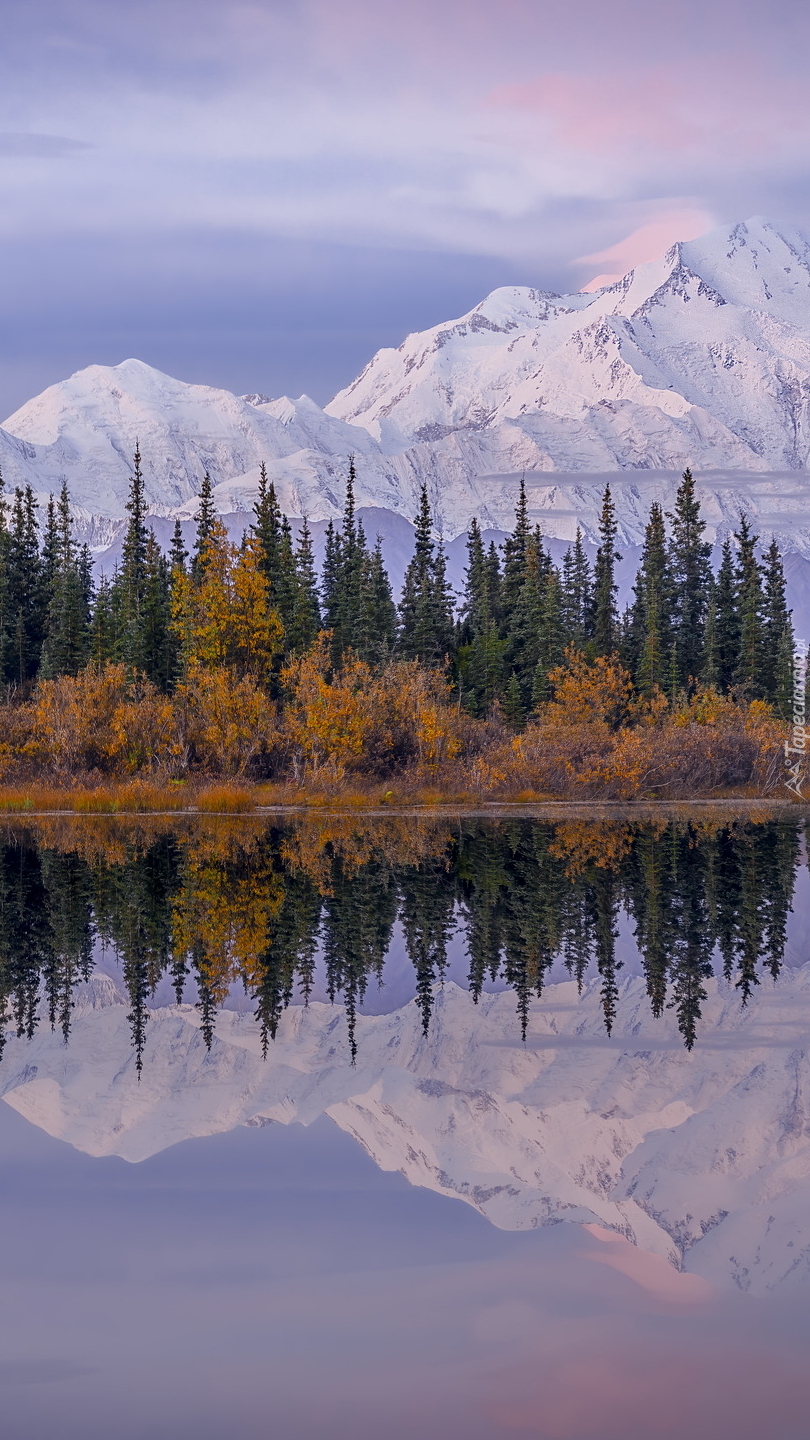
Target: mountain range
{"points": [[701, 357]]}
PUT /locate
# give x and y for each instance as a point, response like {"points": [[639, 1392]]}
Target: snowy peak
{"points": [[700, 357], [756, 265], [86, 429]]}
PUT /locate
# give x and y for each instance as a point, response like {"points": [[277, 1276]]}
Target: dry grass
{"points": [[131, 796], [226, 800]]}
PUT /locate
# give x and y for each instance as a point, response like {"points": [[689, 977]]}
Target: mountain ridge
{"points": [[701, 357]]}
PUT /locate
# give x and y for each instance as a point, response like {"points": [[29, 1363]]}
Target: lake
{"points": [[406, 1125]]}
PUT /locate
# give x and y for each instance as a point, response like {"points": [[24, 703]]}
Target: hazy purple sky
{"points": [[260, 194]]}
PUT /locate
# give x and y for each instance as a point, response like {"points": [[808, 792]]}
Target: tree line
{"points": [[278, 909], [255, 606]]}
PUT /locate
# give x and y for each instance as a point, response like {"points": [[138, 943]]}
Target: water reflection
{"points": [[212, 904]]}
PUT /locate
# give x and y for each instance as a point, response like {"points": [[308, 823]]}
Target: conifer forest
{"points": [[239, 661]]}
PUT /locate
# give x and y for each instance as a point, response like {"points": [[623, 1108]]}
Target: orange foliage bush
{"points": [[710, 744], [358, 719], [98, 720], [588, 694], [223, 723], [226, 620], [341, 732]]}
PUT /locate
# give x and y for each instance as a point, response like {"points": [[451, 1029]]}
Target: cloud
{"points": [[522, 135], [646, 243]]}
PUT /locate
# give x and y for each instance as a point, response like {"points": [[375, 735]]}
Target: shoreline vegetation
{"points": [[127, 801], [232, 679]]}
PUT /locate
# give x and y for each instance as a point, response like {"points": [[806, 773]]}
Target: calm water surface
{"points": [[405, 1128]]}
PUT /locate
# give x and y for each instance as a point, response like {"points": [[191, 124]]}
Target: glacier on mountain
{"points": [[701, 1158], [701, 357]]}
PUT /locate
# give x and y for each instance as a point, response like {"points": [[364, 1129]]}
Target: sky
{"points": [[258, 195]]}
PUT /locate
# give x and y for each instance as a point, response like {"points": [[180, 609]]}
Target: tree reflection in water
{"points": [[254, 903]]}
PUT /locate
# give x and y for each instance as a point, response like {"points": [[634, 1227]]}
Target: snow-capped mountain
{"points": [[701, 358], [704, 354], [702, 1158]]}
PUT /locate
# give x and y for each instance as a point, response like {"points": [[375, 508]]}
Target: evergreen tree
{"points": [[479, 655], [158, 647], [528, 639], [426, 610], [66, 648], [27, 601], [577, 594], [605, 616], [649, 632], [5, 593], [284, 591], [206, 518], [306, 617], [514, 560], [710, 675], [345, 572], [751, 610], [552, 638], [777, 666], [178, 554], [691, 582], [377, 628], [129, 587], [723, 637], [103, 647]]}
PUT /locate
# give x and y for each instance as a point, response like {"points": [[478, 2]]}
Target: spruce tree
{"points": [[523, 622], [103, 646], [479, 652], [689, 556], [514, 560], [283, 594], [331, 584], [27, 601], [723, 643], [66, 647], [777, 668], [129, 587], [345, 572], [605, 615], [158, 650], [5, 594], [267, 528], [206, 518], [377, 630], [577, 594], [178, 554], [426, 610], [751, 610], [649, 630], [551, 639], [306, 618]]}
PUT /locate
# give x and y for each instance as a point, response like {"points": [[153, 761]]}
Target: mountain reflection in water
{"points": [[214, 904]]}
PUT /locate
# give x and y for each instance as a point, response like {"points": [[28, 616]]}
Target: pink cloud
{"points": [[646, 243], [732, 101]]}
